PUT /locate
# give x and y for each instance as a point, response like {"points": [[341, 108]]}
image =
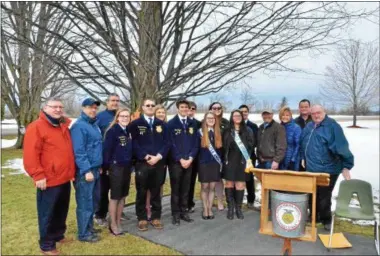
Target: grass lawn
{"points": [[20, 231]]}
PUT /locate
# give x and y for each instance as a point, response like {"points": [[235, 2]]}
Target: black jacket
{"points": [[231, 153], [301, 122]]}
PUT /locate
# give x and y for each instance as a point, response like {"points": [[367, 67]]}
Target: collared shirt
{"points": [[123, 127], [182, 117], [147, 118], [210, 129]]}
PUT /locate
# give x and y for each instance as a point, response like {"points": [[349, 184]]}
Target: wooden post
{"points": [[287, 247]]}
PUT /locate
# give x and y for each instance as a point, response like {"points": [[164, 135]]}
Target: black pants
{"points": [[193, 181], [105, 187], [52, 208], [324, 194], [150, 178], [250, 184], [180, 179]]}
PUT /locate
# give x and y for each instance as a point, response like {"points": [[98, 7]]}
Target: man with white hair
{"points": [[325, 148]]}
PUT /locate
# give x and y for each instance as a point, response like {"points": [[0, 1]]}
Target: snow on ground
{"points": [[8, 143], [15, 164]]}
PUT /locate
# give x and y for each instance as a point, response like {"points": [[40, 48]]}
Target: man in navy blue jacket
{"points": [[151, 142], [103, 120], [325, 148], [184, 149], [250, 181]]}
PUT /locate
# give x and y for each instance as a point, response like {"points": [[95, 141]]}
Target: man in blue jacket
{"points": [[151, 142], [87, 145], [250, 181], [184, 149], [104, 118], [325, 148]]}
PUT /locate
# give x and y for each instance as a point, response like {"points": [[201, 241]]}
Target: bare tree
{"points": [[27, 72], [171, 50], [283, 103], [353, 80]]}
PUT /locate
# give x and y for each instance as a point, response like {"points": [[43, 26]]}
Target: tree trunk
{"points": [[2, 109], [147, 68]]}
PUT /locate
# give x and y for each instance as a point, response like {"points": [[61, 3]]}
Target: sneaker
{"points": [[142, 225], [101, 222], [96, 231], [90, 239], [52, 252]]}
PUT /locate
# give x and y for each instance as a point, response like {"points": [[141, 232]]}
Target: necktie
{"points": [[184, 124], [150, 123], [211, 136]]}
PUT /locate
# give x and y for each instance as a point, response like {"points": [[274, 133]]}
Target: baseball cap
{"points": [[90, 102], [268, 110]]}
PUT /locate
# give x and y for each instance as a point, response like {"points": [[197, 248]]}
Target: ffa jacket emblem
{"points": [[158, 128], [191, 130]]}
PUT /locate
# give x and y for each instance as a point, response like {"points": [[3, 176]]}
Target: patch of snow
{"points": [[8, 143], [9, 121], [17, 165]]}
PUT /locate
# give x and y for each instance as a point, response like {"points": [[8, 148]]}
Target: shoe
{"points": [[239, 195], [143, 225], [52, 252], [90, 239], [327, 227], [101, 222], [186, 218], [230, 202], [250, 206], [211, 217], [66, 240], [176, 220], [191, 210], [157, 224], [96, 231], [113, 233], [204, 217]]}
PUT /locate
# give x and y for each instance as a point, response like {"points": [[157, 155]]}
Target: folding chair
{"points": [[364, 192]]}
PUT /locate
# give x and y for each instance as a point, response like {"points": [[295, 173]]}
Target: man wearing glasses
{"points": [[194, 172], [87, 144], [103, 120], [49, 161], [150, 141]]}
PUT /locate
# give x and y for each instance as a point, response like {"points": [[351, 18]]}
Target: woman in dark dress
{"points": [[217, 109], [117, 153], [235, 162], [210, 154]]}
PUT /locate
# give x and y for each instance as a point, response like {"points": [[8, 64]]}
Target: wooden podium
{"points": [[290, 181]]}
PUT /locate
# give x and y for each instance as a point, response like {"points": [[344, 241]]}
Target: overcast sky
{"points": [[299, 85]]}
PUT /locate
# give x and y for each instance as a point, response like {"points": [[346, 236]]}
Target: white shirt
{"points": [[147, 119], [182, 117], [210, 129]]}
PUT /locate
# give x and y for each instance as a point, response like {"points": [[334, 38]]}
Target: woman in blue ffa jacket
{"points": [[184, 148], [117, 156], [238, 142], [210, 163]]}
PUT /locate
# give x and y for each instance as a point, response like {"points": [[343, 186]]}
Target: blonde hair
{"points": [[115, 121], [205, 141], [283, 110], [158, 107]]}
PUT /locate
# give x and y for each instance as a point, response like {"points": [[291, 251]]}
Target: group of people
{"points": [[101, 150]]}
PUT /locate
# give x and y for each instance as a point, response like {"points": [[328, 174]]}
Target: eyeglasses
{"points": [[124, 116], [150, 105], [115, 100], [216, 108], [56, 107], [210, 118]]}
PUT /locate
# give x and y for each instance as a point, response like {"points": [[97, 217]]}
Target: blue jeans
{"points": [[52, 207], [87, 196]]}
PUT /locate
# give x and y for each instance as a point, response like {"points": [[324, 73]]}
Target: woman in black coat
{"points": [[235, 163]]}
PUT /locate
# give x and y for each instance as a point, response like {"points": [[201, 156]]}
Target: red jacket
{"points": [[48, 151]]}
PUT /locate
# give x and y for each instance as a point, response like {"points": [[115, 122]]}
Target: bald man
{"points": [[325, 148]]}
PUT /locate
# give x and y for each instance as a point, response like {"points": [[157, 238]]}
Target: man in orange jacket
{"points": [[49, 160]]}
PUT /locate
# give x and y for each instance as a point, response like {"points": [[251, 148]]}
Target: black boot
{"points": [[230, 202], [239, 195]]}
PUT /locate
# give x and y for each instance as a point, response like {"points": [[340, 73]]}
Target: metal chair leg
{"points": [[331, 232], [376, 233]]}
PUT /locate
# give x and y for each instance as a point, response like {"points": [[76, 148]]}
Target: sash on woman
{"points": [[213, 152], [244, 151]]}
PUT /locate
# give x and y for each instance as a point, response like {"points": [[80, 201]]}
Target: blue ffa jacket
{"points": [[117, 148], [184, 143], [205, 155], [87, 143], [325, 148], [146, 141], [104, 118]]}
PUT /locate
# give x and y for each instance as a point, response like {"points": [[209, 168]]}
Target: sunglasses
{"points": [[150, 105], [217, 108], [193, 108]]}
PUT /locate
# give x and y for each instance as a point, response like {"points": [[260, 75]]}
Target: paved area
{"points": [[237, 237]]}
